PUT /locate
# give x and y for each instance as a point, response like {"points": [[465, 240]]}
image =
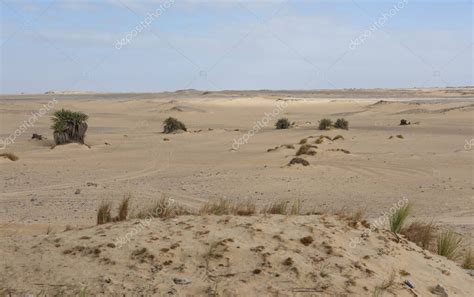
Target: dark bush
{"points": [[404, 122], [325, 124], [171, 125], [342, 124], [299, 161], [283, 124]]}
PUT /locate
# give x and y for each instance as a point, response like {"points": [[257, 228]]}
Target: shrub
{"points": [[420, 233], [283, 124], [299, 161], [342, 124], [104, 213], [69, 126], [171, 125], [325, 124], [397, 220], [404, 122], [9, 156], [448, 244]]}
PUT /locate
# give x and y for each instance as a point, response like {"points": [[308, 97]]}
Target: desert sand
{"points": [[44, 191]]}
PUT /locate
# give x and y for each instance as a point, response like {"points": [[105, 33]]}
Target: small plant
{"points": [[397, 220], [468, 262], [420, 233], [448, 244], [9, 156], [325, 124], [69, 126], [172, 125], [124, 208], [386, 285], [404, 122], [104, 213], [400, 136], [303, 141], [219, 207], [283, 124], [162, 208], [306, 149], [280, 207], [341, 124]]}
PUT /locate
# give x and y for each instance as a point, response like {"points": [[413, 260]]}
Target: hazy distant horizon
{"points": [[156, 46]]}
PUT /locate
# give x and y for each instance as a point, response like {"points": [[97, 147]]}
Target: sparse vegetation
{"points": [[386, 285], [341, 124], [404, 122], [400, 136], [420, 233], [338, 137], [69, 126], [448, 244], [283, 208], [172, 125], [9, 156], [164, 208], [124, 208], [397, 220], [303, 141], [299, 161], [325, 124], [468, 262], [283, 124], [227, 207], [104, 213], [306, 149]]}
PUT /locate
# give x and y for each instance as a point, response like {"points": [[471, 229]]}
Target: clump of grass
{"points": [[123, 208], [341, 124], [325, 124], [468, 262], [397, 220], [164, 208], [420, 233], [303, 141], [306, 149], [283, 124], [9, 156], [448, 244], [172, 125], [338, 137], [400, 136], [283, 208], [227, 207], [104, 213]]}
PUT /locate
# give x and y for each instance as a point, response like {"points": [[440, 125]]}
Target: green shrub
{"points": [[448, 244], [69, 126], [171, 125], [397, 220], [283, 124], [342, 124], [325, 124]]}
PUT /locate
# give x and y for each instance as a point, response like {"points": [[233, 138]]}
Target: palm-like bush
{"points": [[69, 126], [342, 124], [283, 124], [397, 220], [171, 125]]}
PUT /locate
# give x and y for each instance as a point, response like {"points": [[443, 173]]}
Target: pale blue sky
{"points": [[213, 45]]}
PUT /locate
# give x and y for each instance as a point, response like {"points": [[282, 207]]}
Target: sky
{"points": [[154, 46]]}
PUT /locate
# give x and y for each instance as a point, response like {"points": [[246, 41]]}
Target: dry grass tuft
{"points": [[9, 156], [283, 208], [226, 207], [306, 149], [124, 208], [468, 262], [386, 285], [104, 213], [163, 208], [420, 233], [448, 244]]}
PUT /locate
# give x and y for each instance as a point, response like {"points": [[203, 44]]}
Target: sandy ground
{"points": [[432, 166]]}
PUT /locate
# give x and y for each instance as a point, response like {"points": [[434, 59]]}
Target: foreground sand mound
{"points": [[277, 255]]}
